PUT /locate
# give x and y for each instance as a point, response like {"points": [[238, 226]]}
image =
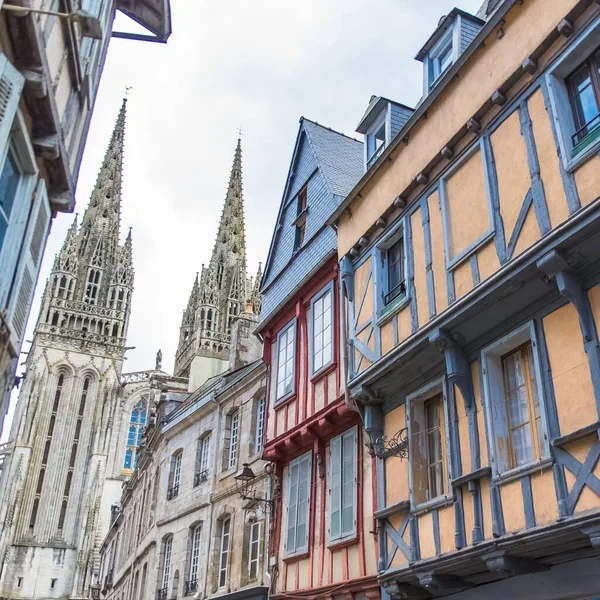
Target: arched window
{"points": [[137, 422], [91, 290]]}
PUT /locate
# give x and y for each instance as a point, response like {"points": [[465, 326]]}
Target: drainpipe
{"points": [[270, 508]]}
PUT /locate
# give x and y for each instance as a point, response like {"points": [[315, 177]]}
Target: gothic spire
{"points": [[230, 245], [66, 259], [104, 210]]}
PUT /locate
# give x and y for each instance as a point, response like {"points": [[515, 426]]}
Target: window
{"points": [[259, 435], [513, 394], [224, 552], [440, 58], [91, 289], [300, 221], [427, 438], [9, 184], [584, 93], [342, 486], [166, 571], [392, 282], [52, 583], [376, 141], [201, 474], [137, 422], [233, 439], [322, 330], [285, 361], [299, 475], [191, 585], [254, 550], [175, 476]]}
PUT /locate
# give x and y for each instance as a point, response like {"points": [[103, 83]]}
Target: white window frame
{"points": [[562, 112], [382, 120], [304, 461], [259, 436], [336, 481], [204, 452], [234, 432], [327, 359], [177, 458], [432, 71], [166, 575], [282, 352], [224, 553], [254, 543], [494, 396], [195, 553]]}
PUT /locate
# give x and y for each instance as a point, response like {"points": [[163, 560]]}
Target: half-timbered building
{"points": [[470, 264], [321, 542]]}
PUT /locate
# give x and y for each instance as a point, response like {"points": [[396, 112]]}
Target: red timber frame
{"points": [[308, 429]]}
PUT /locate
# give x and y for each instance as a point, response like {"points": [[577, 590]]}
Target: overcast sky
{"points": [[256, 65]]}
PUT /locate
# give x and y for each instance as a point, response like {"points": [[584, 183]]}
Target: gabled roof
{"points": [[339, 158]]}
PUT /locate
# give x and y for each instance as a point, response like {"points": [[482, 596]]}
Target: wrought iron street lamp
{"points": [[245, 483]]}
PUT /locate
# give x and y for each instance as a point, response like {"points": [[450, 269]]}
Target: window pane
{"points": [[584, 102], [522, 448], [9, 181]]}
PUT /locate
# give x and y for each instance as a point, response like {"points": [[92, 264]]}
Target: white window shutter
{"points": [[28, 268], [11, 86], [335, 487]]}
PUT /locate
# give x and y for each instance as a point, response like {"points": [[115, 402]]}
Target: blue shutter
{"points": [[335, 487], [21, 295]]}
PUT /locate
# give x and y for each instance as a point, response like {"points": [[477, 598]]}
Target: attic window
{"points": [[440, 58], [376, 140], [300, 221]]}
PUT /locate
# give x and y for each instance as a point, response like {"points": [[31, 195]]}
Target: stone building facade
{"points": [[50, 69]]}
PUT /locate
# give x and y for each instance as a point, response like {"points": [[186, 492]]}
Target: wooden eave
{"points": [[30, 59], [422, 109]]}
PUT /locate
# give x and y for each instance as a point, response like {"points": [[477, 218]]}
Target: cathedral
{"points": [[79, 425]]}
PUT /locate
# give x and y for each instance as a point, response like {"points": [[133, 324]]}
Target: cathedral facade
{"points": [[69, 454]]}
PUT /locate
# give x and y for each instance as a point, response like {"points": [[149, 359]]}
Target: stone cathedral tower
{"points": [[63, 474], [223, 293]]}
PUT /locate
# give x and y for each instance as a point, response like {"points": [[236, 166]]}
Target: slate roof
{"points": [[339, 161]]}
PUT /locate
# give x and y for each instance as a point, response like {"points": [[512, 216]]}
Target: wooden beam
{"points": [[504, 565]]}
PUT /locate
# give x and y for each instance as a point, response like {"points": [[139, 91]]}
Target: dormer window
{"points": [[440, 59], [376, 141]]}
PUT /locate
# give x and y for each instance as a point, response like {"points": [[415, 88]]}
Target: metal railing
{"points": [[589, 127], [200, 477], [190, 587], [173, 492], [162, 594], [399, 290]]}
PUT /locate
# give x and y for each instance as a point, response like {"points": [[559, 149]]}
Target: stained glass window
{"points": [[137, 422]]}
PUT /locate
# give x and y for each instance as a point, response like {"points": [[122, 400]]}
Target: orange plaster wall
{"points": [[548, 157], [530, 233], [463, 279], [469, 515], [361, 276], [510, 155], [483, 451], [404, 327], [418, 243], [396, 522], [512, 503], [396, 469], [570, 370], [467, 204], [446, 520], [586, 179], [338, 572], [488, 261], [463, 431], [437, 253], [545, 505], [486, 503], [594, 296], [426, 540], [492, 65], [387, 337]]}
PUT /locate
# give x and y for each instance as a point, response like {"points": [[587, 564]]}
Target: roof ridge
{"points": [[326, 128]]}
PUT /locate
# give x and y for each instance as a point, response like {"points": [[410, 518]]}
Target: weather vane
{"points": [[240, 132], [127, 88]]}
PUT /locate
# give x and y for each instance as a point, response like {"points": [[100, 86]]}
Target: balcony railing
{"points": [[162, 594], [200, 477], [399, 290], [190, 587], [591, 126], [173, 492]]}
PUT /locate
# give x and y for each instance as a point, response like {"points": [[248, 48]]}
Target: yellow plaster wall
{"points": [[586, 179], [487, 259], [404, 327], [396, 470], [486, 503], [548, 157], [353, 562], [510, 155], [467, 204], [463, 279], [438, 261], [545, 505], [570, 370], [338, 574], [387, 337], [396, 521], [483, 451], [290, 583], [426, 540], [512, 504], [330, 383], [319, 397], [587, 499], [362, 277], [446, 520], [303, 575], [594, 296], [463, 431], [493, 64], [530, 233], [418, 244], [469, 515]]}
